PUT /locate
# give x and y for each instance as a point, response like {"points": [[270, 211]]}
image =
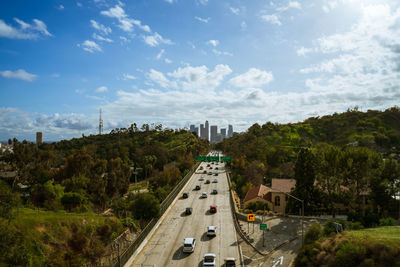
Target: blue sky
{"points": [[179, 62]]}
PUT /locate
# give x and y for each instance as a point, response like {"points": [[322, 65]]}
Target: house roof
{"points": [[284, 185], [258, 191]]}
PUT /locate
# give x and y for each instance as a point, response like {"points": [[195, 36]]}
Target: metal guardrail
{"points": [[124, 257], [235, 219]]}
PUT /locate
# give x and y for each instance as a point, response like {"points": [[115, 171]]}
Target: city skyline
{"points": [[210, 132], [168, 61]]}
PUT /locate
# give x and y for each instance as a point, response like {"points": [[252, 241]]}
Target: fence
{"points": [[124, 257]]}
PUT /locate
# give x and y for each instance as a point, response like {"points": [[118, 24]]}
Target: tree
{"points": [[305, 178], [8, 201], [145, 206]]}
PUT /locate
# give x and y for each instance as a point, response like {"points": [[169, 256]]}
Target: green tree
{"points": [[145, 206], [8, 201]]}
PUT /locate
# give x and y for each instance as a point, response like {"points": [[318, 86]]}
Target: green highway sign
{"points": [[263, 226], [213, 158]]}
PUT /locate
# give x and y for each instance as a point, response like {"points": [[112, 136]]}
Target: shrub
{"points": [[257, 206], [247, 211], [271, 213], [387, 222], [350, 254], [313, 234], [353, 226]]}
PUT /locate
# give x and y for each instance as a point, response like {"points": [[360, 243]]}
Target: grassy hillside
{"points": [[47, 238], [369, 247]]}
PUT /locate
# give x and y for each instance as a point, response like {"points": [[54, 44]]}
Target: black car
{"points": [[215, 174], [197, 187], [207, 181], [188, 211], [214, 192], [185, 195]]}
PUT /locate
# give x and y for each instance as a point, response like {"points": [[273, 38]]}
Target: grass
{"points": [[384, 234], [138, 186]]}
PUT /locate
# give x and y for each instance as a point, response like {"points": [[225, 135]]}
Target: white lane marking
{"points": [[280, 261]]}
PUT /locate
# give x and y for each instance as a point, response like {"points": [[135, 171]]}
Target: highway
{"points": [[165, 246]]}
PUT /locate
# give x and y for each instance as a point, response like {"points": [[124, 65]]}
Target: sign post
{"points": [[263, 227], [250, 218]]}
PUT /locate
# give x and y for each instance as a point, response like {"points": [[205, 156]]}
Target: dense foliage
{"points": [[88, 174], [349, 160]]}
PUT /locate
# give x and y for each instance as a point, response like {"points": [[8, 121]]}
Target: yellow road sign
{"points": [[251, 217]]}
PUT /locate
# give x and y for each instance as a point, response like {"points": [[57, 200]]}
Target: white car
{"points": [[209, 259], [204, 195], [211, 230], [189, 244]]}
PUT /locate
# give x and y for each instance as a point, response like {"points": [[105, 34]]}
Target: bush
{"points": [[313, 234], [353, 226], [387, 222], [350, 254], [254, 206], [72, 200]]}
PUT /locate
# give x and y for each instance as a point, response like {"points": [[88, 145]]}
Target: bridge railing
{"points": [[125, 255]]}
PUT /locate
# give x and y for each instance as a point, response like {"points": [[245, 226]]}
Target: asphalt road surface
{"points": [[165, 246]]}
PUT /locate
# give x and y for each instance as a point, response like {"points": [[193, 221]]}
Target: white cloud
{"points": [[56, 75], [213, 42], [169, 1], [18, 74], [168, 61], [234, 10], [60, 7], [252, 78], [199, 78], [90, 46], [360, 66], [101, 38], [79, 4], [203, 2], [329, 6], [205, 20], [100, 27], [126, 23], [291, 4], [127, 76], [26, 30], [155, 40], [159, 55], [302, 51], [101, 89], [243, 25], [273, 19], [159, 78], [219, 53]]}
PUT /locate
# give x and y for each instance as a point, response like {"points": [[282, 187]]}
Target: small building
{"points": [[275, 195]]}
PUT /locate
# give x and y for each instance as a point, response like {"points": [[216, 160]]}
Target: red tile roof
{"points": [[284, 185], [258, 191]]}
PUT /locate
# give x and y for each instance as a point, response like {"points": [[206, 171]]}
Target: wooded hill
{"points": [[347, 155], [73, 181]]}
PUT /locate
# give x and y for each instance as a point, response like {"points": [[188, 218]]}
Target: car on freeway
{"points": [[211, 230], [209, 259], [216, 168], [197, 187], [188, 211], [189, 244], [201, 178], [230, 262], [213, 209], [208, 165], [204, 171], [207, 181], [215, 180], [201, 167], [185, 195], [214, 192], [209, 173], [216, 174], [204, 195]]}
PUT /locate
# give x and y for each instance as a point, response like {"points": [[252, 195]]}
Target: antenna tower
{"points": [[100, 124]]}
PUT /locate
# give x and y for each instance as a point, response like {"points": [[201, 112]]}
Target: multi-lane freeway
{"points": [[164, 247]]}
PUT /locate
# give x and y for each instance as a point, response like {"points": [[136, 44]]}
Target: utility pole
{"points": [[100, 124]]}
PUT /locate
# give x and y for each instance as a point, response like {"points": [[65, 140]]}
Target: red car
{"points": [[213, 209]]}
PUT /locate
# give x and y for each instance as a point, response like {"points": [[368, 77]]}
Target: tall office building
{"points": [[39, 138], [207, 131], [196, 130], [214, 132], [191, 129], [223, 133], [230, 131], [202, 132]]}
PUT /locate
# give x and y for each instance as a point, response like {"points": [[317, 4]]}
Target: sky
{"points": [[181, 62]]}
